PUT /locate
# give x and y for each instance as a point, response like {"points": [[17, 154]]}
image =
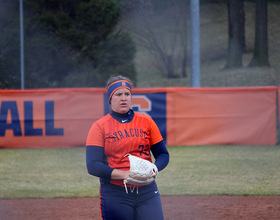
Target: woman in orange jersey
{"points": [[115, 135]]}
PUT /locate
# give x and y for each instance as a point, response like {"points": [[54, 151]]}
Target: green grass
{"points": [[37, 173], [193, 170], [217, 170]]}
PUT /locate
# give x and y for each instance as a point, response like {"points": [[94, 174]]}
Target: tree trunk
{"points": [[236, 35], [260, 56], [242, 28], [184, 62]]}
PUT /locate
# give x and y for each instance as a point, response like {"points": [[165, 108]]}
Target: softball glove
{"points": [[142, 172]]}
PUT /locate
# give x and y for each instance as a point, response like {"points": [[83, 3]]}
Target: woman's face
{"points": [[121, 101]]}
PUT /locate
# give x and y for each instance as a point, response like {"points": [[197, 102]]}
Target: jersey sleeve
{"points": [[95, 136], [155, 133]]}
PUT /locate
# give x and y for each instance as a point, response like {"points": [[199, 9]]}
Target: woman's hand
{"points": [[120, 174]]}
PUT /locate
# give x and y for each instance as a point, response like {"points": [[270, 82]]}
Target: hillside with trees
{"points": [[80, 43]]}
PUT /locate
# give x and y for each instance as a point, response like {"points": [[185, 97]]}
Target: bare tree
{"points": [[260, 56], [164, 37], [236, 33]]}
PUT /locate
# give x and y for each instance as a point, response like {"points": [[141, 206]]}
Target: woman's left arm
{"points": [[161, 155]]}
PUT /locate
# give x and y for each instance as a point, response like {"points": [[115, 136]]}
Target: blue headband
{"points": [[117, 85]]}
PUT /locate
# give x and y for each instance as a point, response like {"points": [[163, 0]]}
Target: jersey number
{"points": [[144, 150]]}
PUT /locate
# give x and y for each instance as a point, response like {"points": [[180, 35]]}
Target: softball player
{"points": [[115, 135]]}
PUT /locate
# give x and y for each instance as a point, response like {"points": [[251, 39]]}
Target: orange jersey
{"points": [[119, 139]]}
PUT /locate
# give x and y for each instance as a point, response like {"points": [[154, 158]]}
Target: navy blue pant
{"points": [[143, 204]]}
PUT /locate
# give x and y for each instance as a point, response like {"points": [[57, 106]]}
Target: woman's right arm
{"points": [[95, 162], [96, 165]]}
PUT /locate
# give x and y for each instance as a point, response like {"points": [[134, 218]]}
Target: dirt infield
{"points": [[175, 208]]}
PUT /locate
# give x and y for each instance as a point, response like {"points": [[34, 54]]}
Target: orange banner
{"points": [[241, 116], [185, 116], [48, 118]]}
